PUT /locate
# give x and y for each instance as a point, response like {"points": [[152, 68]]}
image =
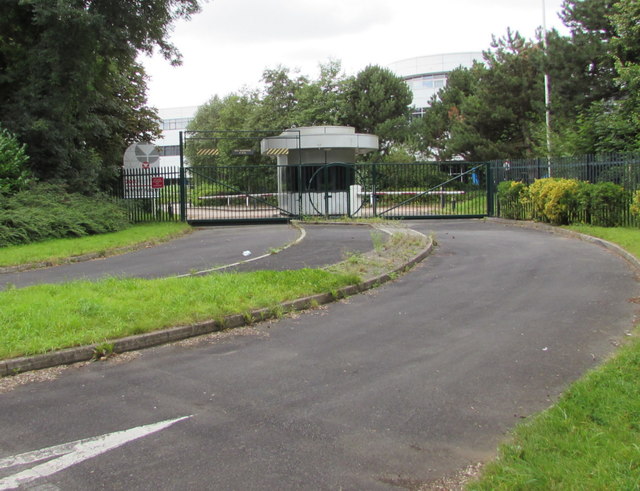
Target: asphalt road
{"points": [[208, 248], [385, 390]]}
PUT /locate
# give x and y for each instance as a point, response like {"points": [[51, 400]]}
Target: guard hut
{"points": [[316, 175]]}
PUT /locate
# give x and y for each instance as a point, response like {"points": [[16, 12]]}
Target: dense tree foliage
{"points": [[492, 110], [373, 101], [377, 101], [496, 109], [13, 164], [70, 86]]}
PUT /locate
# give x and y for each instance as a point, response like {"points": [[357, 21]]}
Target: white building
{"points": [[174, 120], [426, 75]]}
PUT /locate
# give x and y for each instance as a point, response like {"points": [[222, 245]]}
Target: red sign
{"points": [[157, 182]]}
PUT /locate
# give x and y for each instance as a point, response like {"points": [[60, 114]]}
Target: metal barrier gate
{"points": [[272, 193], [224, 178]]}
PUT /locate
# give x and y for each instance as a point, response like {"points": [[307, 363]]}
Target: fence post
{"points": [[374, 201], [489, 190], [183, 184]]}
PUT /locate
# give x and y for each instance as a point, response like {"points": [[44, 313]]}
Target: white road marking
{"points": [[72, 453]]}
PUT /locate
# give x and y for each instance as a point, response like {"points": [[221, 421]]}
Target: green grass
{"points": [[43, 318], [57, 251], [626, 237], [590, 439]]}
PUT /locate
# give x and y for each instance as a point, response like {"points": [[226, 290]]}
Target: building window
{"points": [[176, 124], [169, 150]]}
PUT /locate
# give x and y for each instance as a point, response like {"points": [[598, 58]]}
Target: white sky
{"points": [[230, 43]]}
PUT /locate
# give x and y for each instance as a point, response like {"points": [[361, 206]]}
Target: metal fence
{"points": [[243, 193], [268, 192], [609, 209]]}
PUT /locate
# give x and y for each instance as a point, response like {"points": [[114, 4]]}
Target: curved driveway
{"points": [[389, 389], [209, 248]]}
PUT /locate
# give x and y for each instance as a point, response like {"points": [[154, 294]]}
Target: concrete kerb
{"points": [[68, 356], [615, 248]]}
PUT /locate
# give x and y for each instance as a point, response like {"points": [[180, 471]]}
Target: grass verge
{"points": [[43, 318], [590, 438], [57, 251], [626, 237]]}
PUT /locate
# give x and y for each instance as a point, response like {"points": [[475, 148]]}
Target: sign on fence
{"points": [[140, 176]]}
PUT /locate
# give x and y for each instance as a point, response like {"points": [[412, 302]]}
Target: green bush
{"points": [[555, 200], [565, 201], [512, 200], [608, 203], [45, 211], [14, 175]]}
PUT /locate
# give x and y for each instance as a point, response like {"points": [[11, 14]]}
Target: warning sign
{"points": [[140, 173]]}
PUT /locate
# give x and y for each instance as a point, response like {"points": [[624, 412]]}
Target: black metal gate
{"points": [[224, 177], [427, 190]]}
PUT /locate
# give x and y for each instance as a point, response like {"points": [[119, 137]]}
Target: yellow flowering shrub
{"points": [[554, 200]]}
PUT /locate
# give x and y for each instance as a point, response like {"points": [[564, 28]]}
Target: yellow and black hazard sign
{"points": [[208, 152], [277, 151]]}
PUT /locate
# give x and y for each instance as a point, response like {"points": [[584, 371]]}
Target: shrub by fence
{"points": [[564, 201], [597, 190]]}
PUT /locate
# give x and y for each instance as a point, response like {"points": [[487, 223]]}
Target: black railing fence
{"points": [[269, 192], [613, 186]]}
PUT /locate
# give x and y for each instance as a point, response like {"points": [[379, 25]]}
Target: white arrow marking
{"points": [[72, 453]]}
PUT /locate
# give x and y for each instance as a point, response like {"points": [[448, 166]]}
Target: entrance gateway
{"points": [[276, 176]]}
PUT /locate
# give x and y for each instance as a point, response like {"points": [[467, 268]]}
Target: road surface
{"points": [[385, 390]]}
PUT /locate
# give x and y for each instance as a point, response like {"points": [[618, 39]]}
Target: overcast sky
{"points": [[230, 43]]}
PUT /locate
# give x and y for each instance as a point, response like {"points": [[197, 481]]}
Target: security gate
{"points": [[428, 190], [225, 178]]}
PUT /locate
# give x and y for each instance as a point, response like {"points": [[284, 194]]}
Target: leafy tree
{"points": [[70, 85], [612, 123], [377, 101], [626, 46], [13, 159], [493, 109], [278, 101], [227, 125], [319, 101], [430, 134], [588, 60]]}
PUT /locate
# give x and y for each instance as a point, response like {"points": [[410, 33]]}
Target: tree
{"points": [[588, 58], [611, 123], [279, 99], [13, 159], [227, 125], [431, 134], [377, 101], [70, 85], [319, 101], [491, 110]]}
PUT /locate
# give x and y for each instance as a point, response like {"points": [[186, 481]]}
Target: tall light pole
{"points": [[547, 87]]}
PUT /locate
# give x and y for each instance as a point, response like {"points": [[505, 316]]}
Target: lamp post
{"points": [[547, 88]]}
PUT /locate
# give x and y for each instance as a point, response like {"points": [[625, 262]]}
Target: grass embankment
{"points": [[590, 439], [57, 251], [43, 318]]}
